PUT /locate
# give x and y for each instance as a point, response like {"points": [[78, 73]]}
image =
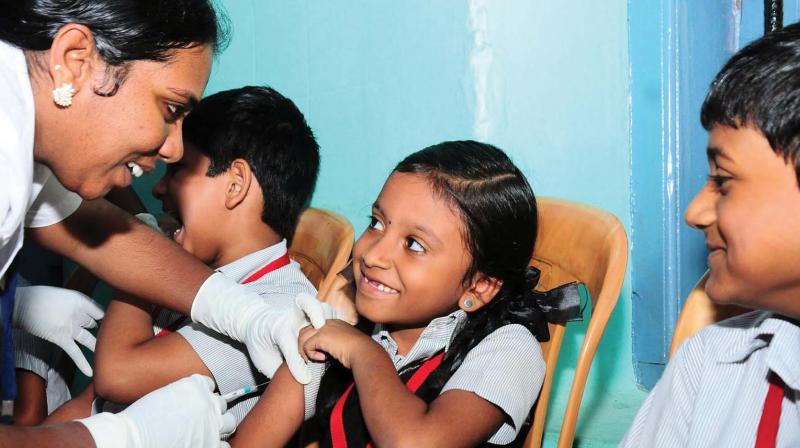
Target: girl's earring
{"points": [[468, 303], [63, 95]]}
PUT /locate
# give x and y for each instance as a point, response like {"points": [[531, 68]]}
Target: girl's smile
{"points": [[375, 288], [410, 262]]}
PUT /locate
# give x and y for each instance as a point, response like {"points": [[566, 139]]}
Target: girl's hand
{"points": [[336, 338], [305, 334]]}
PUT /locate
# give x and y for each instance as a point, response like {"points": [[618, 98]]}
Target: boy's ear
{"points": [[73, 55], [239, 177], [482, 291]]}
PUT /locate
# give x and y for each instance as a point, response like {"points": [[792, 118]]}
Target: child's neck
{"points": [[405, 338], [245, 242]]}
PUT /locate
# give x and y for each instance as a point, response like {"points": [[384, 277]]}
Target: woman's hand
{"points": [[336, 338]]}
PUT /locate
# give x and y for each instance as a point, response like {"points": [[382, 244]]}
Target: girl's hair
{"points": [[498, 211], [494, 200], [124, 30], [499, 216]]}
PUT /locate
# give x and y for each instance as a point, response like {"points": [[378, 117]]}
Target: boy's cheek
{"points": [[722, 288]]}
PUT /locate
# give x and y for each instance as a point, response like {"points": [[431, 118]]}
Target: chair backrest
{"points": [[322, 244], [699, 311], [576, 242]]}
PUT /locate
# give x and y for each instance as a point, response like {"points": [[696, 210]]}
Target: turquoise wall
{"points": [[546, 80]]}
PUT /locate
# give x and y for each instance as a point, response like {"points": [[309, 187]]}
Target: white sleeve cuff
{"points": [[108, 430], [54, 203]]}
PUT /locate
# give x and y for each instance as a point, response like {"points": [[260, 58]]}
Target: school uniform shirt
{"points": [[712, 392], [506, 368], [227, 359]]}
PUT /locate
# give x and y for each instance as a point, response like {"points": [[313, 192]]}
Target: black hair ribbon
{"points": [[559, 305]]}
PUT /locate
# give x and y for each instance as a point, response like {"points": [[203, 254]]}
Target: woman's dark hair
{"points": [[499, 216], [124, 30]]}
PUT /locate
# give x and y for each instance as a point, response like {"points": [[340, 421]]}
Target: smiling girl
{"points": [[442, 272]]}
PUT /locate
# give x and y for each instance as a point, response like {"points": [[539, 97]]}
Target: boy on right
{"points": [[737, 383]]}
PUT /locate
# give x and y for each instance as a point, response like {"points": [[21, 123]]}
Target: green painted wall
{"points": [[545, 80]]}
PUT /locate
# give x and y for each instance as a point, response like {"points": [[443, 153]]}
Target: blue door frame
{"points": [[676, 48]]}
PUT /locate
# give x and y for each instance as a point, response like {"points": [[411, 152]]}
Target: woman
{"points": [[92, 93]]}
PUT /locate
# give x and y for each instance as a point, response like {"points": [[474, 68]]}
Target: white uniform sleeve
{"points": [[53, 203], [8, 227], [506, 369], [311, 390], [665, 416], [16, 150]]}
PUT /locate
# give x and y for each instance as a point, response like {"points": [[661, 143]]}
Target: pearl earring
{"points": [[468, 303], [63, 95]]}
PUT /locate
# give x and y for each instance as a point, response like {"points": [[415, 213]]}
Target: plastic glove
{"points": [[61, 316], [186, 413], [267, 329]]}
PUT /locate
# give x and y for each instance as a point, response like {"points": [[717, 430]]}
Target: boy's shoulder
{"points": [[736, 335], [722, 333], [290, 282], [269, 271]]}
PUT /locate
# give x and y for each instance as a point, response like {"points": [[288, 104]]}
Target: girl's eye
{"points": [[375, 224], [414, 246], [175, 112]]}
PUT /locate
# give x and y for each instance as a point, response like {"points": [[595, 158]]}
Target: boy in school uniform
{"points": [[249, 168], [737, 383]]}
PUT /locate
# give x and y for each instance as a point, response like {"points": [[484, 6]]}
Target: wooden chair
{"points": [[576, 243], [699, 311], [322, 245]]}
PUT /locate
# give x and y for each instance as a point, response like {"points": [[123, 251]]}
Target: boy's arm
{"points": [[276, 417], [78, 407], [66, 435], [131, 362], [30, 407], [32, 359]]}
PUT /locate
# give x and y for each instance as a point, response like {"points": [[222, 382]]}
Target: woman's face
{"points": [[89, 144]]}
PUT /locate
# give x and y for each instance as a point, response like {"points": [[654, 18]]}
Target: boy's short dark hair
{"points": [[269, 132], [760, 87]]}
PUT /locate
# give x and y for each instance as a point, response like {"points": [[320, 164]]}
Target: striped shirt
{"points": [[41, 357], [712, 392], [506, 368], [226, 358]]}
